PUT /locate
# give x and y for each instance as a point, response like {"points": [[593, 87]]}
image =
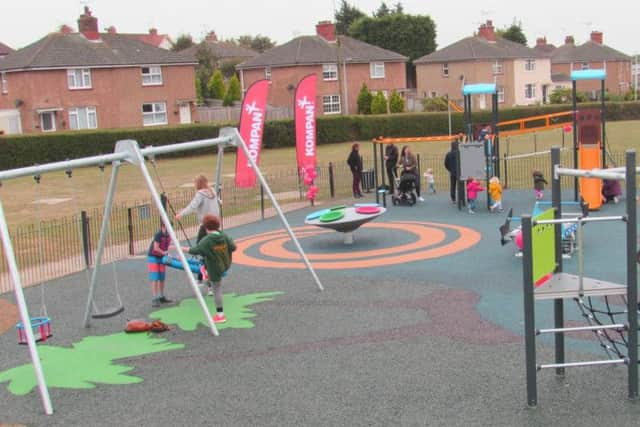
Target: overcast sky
{"points": [[25, 21]]}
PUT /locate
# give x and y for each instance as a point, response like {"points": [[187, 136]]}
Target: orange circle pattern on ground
{"points": [[427, 246], [8, 316]]}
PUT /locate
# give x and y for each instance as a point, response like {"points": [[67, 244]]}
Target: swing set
{"points": [[126, 151]]}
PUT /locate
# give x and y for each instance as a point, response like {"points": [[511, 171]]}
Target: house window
{"points": [[530, 91], [267, 73], [530, 65], [48, 121], [151, 76], [79, 78], [445, 69], [585, 66], [330, 72], [4, 84], [376, 70], [331, 104], [500, 94], [83, 118], [154, 113], [498, 67], [433, 94]]}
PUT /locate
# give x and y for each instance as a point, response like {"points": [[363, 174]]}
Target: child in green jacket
{"points": [[216, 249]]}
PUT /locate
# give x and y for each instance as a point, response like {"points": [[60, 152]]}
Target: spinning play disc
{"points": [[317, 214], [368, 210], [332, 216]]}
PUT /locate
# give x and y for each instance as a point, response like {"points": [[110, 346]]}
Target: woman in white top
{"points": [[204, 202]]}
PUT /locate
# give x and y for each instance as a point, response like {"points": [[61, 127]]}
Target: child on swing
{"points": [[157, 270], [216, 249]]}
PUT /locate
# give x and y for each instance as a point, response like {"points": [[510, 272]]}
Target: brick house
{"points": [[341, 63], [593, 54], [89, 80], [522, 75], [223, 51]]}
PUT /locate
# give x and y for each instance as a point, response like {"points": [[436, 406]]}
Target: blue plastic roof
{"points": [[588, 75], [479, 89]]}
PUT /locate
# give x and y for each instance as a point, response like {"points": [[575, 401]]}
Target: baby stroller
{"points": [[406, 194]]}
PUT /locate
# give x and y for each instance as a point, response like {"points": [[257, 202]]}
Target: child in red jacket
{"points": [[473, 188]]}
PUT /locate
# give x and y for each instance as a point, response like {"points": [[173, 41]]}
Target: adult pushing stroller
{"points": [[406, 194]]}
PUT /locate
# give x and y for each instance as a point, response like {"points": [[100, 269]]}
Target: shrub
{"points": [[379, 104], [234, 88], [364, 100], [215, 86], [396, 103], [438, 103]]}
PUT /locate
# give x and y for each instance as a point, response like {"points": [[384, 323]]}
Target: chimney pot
{"points": [[88, 25], [596, 37], [486, 31], [569, 40], [541, 41], [326, 30]]}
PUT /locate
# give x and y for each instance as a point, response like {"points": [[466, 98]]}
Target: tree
{"points": [[379, 104], [396, 103], [364, 100], [215, 86], [184, 41], [199, 96], [383, 10], [565, 96], [233, 92], [228, 68], [345, 16], [206, 63], [410, 35], [513, 33], [258, 43]]}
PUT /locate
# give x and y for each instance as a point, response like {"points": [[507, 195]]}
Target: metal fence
{"points": [[232, 114], [61, 246]]}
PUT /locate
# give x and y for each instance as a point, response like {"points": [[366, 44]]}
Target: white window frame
{"points": [[585, 66], [433, 94], [267, 73], [52, 114], [445, 69], [500, 94], [151, 76], [331, 104], [329, 72], [376, 70], [4, 83], [89, 114], [79, 78], [530, 65], [530, 89], [158, 110], [498, 67]]}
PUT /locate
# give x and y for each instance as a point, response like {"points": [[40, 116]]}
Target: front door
{"points": [[185, 113]]}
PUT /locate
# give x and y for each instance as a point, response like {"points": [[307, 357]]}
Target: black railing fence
{"points": [[61, 246]]}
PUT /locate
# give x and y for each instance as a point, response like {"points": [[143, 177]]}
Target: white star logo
{"points": [[303, 103], [251, 108]]}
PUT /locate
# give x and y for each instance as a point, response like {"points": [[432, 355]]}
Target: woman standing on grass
{"points": [[204, 202]]}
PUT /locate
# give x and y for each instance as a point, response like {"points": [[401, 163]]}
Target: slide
{"points": [[589, 157]]}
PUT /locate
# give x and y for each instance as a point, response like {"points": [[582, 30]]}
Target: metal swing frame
{"points": [[126, 151]]}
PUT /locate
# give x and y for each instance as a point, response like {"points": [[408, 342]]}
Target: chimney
{"points": [[486, 31], [541, 42], [596, 37], [65, 29], [569, 40], [326, 30], [88, 25], [211, 37], [153, 31], [112, 30]]}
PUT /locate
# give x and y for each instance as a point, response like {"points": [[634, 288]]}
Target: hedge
{"points": [[25, 150]]}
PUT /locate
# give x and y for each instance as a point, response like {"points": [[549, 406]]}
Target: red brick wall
{"points": [[618, 79], [285, 79], [117, 94]]}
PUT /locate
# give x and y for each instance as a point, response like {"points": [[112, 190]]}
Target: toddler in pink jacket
{"points": [[473, 188]]}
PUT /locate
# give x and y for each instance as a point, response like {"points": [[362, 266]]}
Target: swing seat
{"points": [[112, 312], [194, 265], [41, 327]]}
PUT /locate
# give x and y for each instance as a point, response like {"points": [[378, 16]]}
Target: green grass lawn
{"points": [[87, 187]]}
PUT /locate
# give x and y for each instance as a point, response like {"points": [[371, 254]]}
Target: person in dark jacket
{"points": [[355, 164], [451, 164], [391, 163]]}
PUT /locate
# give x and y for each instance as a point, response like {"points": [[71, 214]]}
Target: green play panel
{"points": [[332, 216]]}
